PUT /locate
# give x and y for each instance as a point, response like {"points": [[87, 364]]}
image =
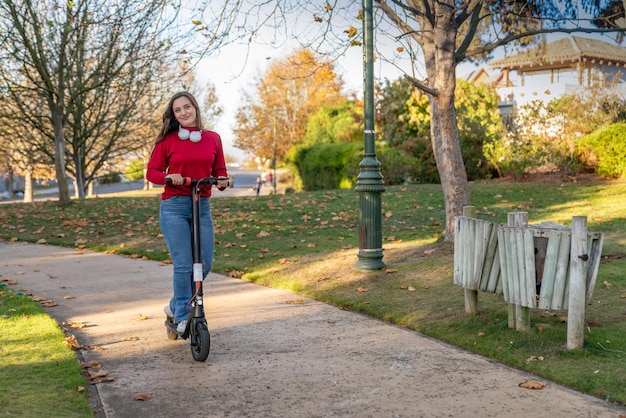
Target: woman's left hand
{"points": [[222, 184]]}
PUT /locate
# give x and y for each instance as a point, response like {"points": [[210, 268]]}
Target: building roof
{"points": [[563, 53]]}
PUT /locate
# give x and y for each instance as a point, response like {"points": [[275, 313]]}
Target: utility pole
{"points": [[370, 184]]}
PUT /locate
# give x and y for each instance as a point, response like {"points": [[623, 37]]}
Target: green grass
{"points": [[39, 374], [307, 243]]}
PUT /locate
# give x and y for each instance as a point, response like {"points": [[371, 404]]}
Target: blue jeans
{"points": [[176, 225]]}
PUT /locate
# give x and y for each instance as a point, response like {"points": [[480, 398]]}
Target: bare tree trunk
{"points": [[28, 185], [444, 128], [59, 159], [447, 151]]}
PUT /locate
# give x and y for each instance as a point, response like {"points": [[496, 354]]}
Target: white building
{"points": [[559, 67]]}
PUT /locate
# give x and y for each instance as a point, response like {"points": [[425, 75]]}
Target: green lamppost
{"points": [[370, 184]]}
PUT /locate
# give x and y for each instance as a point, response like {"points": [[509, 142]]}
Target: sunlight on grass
{"points": [[40, 374]]}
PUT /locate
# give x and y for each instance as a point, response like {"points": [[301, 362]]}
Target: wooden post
{"points": [[577, 284], [519, 316], [471, 296]]}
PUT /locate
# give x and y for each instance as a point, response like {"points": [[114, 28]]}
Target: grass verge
{"points": [[40, 375]]}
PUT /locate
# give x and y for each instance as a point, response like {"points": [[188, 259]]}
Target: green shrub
{"points": [[134, 170], [605, 150], [323, 166], [337, 166]]}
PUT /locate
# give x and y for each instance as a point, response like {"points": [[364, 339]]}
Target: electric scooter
{"points": [[197, 330]]}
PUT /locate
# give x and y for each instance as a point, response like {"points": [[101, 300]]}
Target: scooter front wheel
{"points": [[201, 344]]}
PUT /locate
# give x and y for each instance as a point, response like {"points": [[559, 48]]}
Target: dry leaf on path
{"points": [[532, 384], [141, 397], [72, 342], [90, 364], [295, 302], [93, 374]]}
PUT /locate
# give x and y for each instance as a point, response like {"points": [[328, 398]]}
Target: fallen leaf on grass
{"points": [[534, 358], [80, 388], [429, 252], [411, 289], [362, 289], [548, 313], [387, 271], [532, 384], [541, 327], [141, 397]]}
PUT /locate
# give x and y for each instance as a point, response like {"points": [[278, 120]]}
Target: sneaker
{"points": [[180, 328], [168, 311]]}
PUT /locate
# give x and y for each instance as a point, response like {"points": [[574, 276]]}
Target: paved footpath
{"points": [[273, 353]]}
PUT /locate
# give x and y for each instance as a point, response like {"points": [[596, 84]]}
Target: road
{"points": [[243, 181]]}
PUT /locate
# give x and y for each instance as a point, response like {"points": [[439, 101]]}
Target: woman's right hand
{"points": [[176, 179]]}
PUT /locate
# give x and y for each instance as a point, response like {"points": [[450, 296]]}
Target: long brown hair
{"points": [[170, 124]]}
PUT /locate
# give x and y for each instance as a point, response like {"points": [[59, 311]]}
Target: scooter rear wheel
{"points": [[201, 344], [171, 334]]}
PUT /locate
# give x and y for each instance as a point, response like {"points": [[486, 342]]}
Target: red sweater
{"points": [[189, 159]]}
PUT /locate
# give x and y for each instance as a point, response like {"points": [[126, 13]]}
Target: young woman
{"points": [[184, 148]]}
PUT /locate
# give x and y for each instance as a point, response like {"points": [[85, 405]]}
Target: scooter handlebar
{"points": [[206, 180]]}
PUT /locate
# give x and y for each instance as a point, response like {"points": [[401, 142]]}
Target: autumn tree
{"points": [[292, 89], [90, 64]]}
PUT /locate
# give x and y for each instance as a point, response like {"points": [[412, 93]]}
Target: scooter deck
{"points": [[172, 326]]}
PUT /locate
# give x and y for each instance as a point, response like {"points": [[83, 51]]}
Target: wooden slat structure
{"points": [[476, 259], [542, 282], [528, 265]]}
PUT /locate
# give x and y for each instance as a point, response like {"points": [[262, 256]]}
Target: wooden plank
{"points": [[492, 262], [530, 275], [479, 253], [562, 271], [577, 284], [458, 239], [514, 258], [549, 270], [504, 265], [595, 255]]}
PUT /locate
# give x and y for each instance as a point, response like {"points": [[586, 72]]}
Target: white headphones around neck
{"points": [[194, 136]]}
